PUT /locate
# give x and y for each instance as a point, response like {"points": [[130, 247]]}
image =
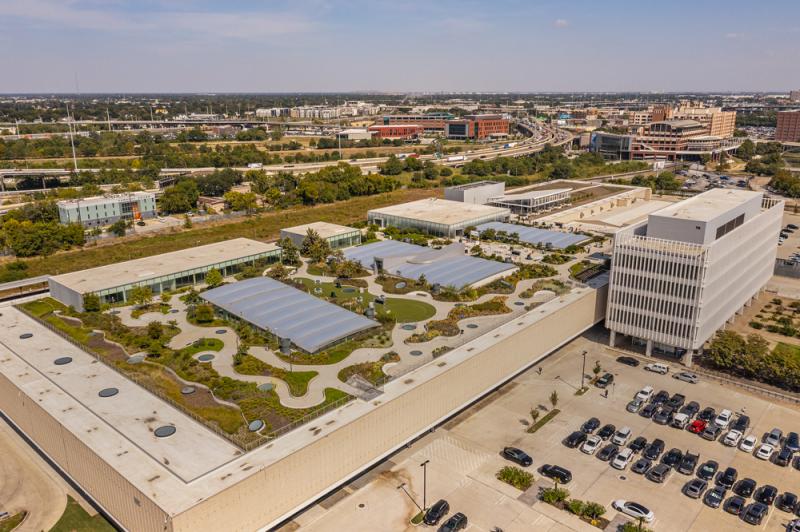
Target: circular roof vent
{"points": [[108, 392], [164, 431], [62, 361], [221, 331], [255, 426]]}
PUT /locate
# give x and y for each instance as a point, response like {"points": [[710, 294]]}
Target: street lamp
{"points": [[403, 487], [424, 466], [583, 370]]}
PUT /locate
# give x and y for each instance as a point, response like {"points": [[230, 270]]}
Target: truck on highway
{"points": [[509, 145], [402, 156], [456, 158], [254, 165]]}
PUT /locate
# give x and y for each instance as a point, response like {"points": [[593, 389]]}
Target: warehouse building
{"points": [[438, 217], [99, 211], [168, 271], [479, 192], [337, 236], [354, 134]]}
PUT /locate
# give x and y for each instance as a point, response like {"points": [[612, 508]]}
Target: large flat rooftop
{"points": [[138, 270], [323, 229], [441, 211], [708, 205]]}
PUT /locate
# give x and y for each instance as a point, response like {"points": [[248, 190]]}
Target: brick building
{"points": [[788, 129]]}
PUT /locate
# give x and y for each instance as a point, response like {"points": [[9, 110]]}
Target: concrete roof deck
{"points": [[323, 229], [138, 270], [441, 211], [708, 205]]}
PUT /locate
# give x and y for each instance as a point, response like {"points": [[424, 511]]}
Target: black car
{"points": [[728, 477], [648, 410], [688, 463], [607, 431], [660, 473], [654, 450], [457, 522], [745, 487], [660, 398], [638, 444], [575, 439], [707, 470], [608, 452], [436, 512], [734, 505], [787, 502], [564, 476], [628, 361], [766, 495], [590, 426], [741, 424], [517, 455], [707, 414], [784, 457], [690, 409], [641, 466], [715, 496], [755, 513], [676, 401], [672, 458], [796, 462], [604, 381], [792, 442], [663, 416]]}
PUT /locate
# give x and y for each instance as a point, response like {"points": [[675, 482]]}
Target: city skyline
{"points": [[315, 46]]}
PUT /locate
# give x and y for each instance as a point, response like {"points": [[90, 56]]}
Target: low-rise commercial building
{"points": [[678, 277], [355, 134], [430, 122], [477, 127], [439, 217], [337, 236], [105, 210], [479, 192], [168, 271], [397, 131], [788, 129]]}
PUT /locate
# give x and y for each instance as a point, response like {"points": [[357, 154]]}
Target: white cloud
{"points": [[560, 23]]}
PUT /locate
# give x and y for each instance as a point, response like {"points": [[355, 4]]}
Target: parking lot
{"points": [[464, 456]]}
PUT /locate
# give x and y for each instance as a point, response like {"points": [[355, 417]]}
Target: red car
{"points": [[698, 426]]}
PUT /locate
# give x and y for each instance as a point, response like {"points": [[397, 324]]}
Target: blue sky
{"points": [[399, 45]]}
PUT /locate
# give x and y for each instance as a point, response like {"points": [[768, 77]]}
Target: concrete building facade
{"points": [[105, 210], [479, 192], [397, 131], [788, 129], [679, 277], [438, 217]]}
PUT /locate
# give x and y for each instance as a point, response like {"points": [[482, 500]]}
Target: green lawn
{"points": [[10, 523], [75, 519], [788, 350]]}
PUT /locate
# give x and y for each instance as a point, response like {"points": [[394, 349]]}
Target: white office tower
{"points": [[678, 277]]}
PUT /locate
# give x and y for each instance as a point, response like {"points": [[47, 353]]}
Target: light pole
{"points": [[583, 370], [424, 466], [403, 487]]}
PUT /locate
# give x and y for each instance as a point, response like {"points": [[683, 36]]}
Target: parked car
{"points": [[608, 452], [517, 455], [708, 469], [741, 424], [638, 444], [663, 416], [591, 444], [735, 505], [436, 512], [715, 496], [590, 425], [673, 457], [690, 409], [641, 466], [563, 475], [628, 361], [660, 398], [793, 526], [457, 522], [788, 502], [622, 436], [686, 376], [645, 393], [711, 433], [707, 414], [745, 487], [784, 457], [607, 431], [648, 410], [688, 463], [654, 450], [765, 451], [634, 509], [634, 406], [728, 477], [657, 367], [766, 494], [604, 381], [732, 438], [659, 473], [773, 437], [723, 419], [698, 426], [755, 513], [676, 401], [622, 459], [792, 442], [748, 443], [695, 488], [679, 421], [575, 439]]}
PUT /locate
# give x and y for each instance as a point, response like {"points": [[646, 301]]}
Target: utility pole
{"points": [[403, 487], [424, 466], [583, 370], [71, 139]]}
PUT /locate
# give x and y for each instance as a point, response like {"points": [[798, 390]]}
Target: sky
{"points": [[94, 46]]}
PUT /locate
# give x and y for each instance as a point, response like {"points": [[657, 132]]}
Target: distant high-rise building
{"points": [[794, 95], [788, 129]]}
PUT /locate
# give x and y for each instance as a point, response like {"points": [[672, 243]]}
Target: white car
{"points": [[591, 444], [657, 367], [622, 436], [645, 394], [765, 451], [622, 459], [732, 438], [723, 419], [633, 509], [748, 443]]}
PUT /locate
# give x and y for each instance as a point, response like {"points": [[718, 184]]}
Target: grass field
{"points": [[788, 350], [75, 519], [12, 522]]}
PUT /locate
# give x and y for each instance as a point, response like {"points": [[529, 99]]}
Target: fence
{"points": [[787, 268]]}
